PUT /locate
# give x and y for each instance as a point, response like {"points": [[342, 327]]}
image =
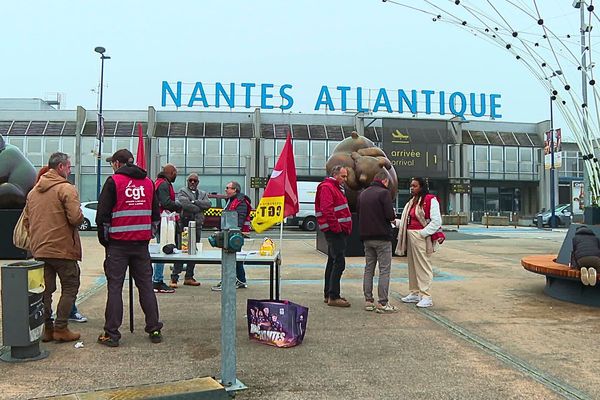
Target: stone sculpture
{"points": [[17, 176], [363, 160]]}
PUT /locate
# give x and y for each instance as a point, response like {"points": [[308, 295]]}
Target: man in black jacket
{"points": [[167, 201], [375, 216], [586, 254]]}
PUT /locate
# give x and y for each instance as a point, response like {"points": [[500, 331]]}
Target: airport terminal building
{"points": [[473, 166]]}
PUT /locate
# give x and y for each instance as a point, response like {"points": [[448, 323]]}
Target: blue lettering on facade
{"points": [[494, 106], [343, 90], [428, 94], [194, 97], [382, 100], [463, 104], [248, 87], [402, 99], [472, 100], [324, 99], [285, 96], [228, 97], [346, 98], [175, 97]]}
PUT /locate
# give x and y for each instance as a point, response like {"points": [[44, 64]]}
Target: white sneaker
{"points": [[369, 306], [387, 309], [585, 279], [411, 298], [425, 302], [592, 276]]}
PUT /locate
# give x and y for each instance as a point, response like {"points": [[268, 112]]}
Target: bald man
{"points": [[167, 201]]}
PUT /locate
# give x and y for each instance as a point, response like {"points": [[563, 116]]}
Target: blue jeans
{"points": [[239, 271], [74, 311], [159, 273]]}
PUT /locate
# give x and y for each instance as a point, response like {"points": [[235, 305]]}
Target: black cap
{"points": [[123, 156]]}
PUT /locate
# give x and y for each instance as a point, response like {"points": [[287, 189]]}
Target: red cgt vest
{"points": [[131, 217], [233, 205], [157, 183]]}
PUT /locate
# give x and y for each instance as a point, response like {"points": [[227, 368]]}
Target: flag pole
{"points": [[281, 235]]}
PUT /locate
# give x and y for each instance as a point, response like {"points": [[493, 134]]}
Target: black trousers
{"points": [[137, 257], [336, 263]]}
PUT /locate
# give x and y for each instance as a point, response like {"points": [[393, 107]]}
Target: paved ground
{"points": [[492, 333]]}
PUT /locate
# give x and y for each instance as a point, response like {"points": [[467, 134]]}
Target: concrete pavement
{"points": [[491, 334]]}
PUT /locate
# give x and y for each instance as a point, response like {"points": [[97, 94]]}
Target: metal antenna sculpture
{"points": [[552, 57]]}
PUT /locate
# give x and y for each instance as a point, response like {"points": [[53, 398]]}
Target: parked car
{"points": [[562, 211], [212, 216], [305, 218], [88, 209]]}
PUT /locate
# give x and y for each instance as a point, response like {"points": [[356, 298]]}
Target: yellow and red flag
{"points": [[280, 198]]}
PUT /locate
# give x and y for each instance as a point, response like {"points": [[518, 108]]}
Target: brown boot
{"points": [[173, 284], [48, 334], [191, 282], [341, 302], [65, 335]]}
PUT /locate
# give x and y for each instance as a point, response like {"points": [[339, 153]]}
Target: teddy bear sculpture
{"points": [[363, 160]]}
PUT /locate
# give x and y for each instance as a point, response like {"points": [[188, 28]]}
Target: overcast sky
{"points": [[48, 47]]}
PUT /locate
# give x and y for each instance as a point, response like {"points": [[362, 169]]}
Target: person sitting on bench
{"points": [[586, 254]]}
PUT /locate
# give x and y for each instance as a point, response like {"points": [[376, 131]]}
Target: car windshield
{"points": [[560, 208]]}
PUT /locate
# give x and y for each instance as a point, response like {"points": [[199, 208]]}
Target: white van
{"points": [[306, 218]]}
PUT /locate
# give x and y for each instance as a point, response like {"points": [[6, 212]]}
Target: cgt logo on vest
{"points": [[134, 193]]}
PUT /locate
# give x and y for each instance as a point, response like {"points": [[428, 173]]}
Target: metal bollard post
{"points": [[457, 221], [487, 220], [515, 219]]}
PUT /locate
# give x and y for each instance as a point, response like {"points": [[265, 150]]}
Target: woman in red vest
{"points": [[420, 219]]}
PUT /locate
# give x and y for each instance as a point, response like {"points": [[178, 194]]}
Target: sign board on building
{"points": [[460, 185], [258, 182], [578, 197], [553, 147], [342, 98], [417, 148]]}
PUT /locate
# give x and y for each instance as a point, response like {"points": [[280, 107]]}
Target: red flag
{"points": [[281, 194], [141, 155]]}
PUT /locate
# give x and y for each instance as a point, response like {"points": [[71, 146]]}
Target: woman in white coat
{"points": [[420, 219]]}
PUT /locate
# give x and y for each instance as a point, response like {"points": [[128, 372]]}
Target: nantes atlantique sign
{"points": [[338, 98]]}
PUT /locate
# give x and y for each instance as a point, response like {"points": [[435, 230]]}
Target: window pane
{"points": [[177, 152], [52, 146], [496, 153], [212, 153], [17, 141], [330, 146], [492, 199], [477, 199], [301, 154], [526, 154], [68, 145], [194, 153], [481, 153], [230, 146], [245, 147]]}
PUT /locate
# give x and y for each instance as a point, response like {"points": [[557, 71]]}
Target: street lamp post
{"points": [[584, 112], [552, 221], [100, 123]]}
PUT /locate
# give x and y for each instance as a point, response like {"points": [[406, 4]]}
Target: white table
{"points": [[214, 257], [228, 298]]}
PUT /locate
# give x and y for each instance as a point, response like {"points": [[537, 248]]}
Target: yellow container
{"points": [[185, 239], [35, 280], [267, 248]]}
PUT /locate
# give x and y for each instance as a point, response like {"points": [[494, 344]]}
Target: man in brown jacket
{"points": [[52, 216]]}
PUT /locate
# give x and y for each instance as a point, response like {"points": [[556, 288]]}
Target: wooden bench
{"points": [[562, 282]]}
